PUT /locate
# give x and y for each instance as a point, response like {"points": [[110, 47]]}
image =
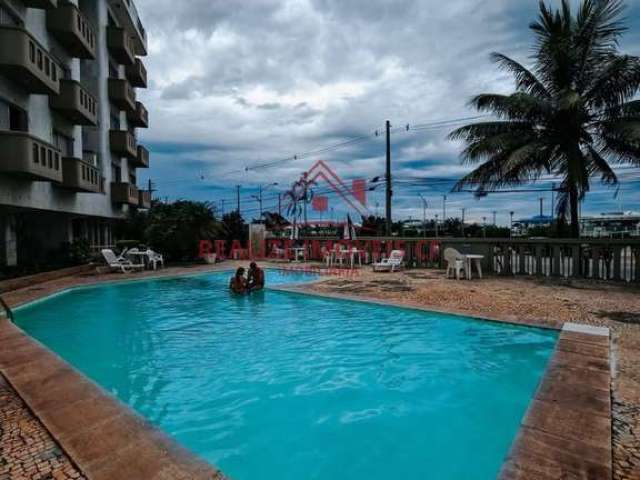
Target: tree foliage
{"points": [[572, 115]]}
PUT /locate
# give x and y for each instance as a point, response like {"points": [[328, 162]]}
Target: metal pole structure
{"points": [[494, 217], [238, 198], [462, 224], [444, 209], [436, 225], [484, 227], [280, 204], [260, 198], [389, 192]]}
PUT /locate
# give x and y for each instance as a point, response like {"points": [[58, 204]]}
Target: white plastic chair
{"points": [[120, 263], [155, 258], [390, 264], [456, 262], [326, 256]]}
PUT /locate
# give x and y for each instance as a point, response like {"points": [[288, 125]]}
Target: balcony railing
{"points": [[124, 193], [123, 143], [122, 94], [73, 30], [139, 117], [80, 176], [43, 4], [120, 45], [27, 62], [127, 14], [24, 155], [75, 103], [144, 199], [142, 158], [137, 74]]}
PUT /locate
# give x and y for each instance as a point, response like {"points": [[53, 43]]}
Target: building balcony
{"points": [[75, 103], [120, 45], [27, 62], [139, 117], [137, 74], [80, 176], [24, 155], [142, 158], [43, 4], [73, 30], [144, 199], [127, 15], [125, 193], [123, 143], [122, 94]]}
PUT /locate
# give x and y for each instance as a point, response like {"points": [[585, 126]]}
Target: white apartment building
{"points": [[68, 119]]}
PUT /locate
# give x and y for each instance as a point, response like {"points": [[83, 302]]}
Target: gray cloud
{"points": [[260, 80]]}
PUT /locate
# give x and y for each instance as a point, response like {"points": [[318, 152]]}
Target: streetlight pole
{"points": [[511, 224], [462, 224], [424, 215], [389, 192], [444, 208], [436, 225], [484, 227]]}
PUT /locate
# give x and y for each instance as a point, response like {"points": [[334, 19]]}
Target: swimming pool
{"points": [[290, 386]]}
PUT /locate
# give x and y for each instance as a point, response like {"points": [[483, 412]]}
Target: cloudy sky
{"points": [[238, 88]]}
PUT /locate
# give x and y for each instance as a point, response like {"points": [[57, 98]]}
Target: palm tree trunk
{"points": [[575, 219]]}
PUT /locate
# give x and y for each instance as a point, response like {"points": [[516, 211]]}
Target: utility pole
{"points": [[484, 227], [541, 209], [436, 225], [462, 224], [238, 198], [151, 190], [389, 192], [494, 217], [280, 204]]}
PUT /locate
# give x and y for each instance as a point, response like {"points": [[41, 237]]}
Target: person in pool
{"points": [[256, 277], [238, 283]]}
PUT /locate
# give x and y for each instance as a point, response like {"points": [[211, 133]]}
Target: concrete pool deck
{"points": [[581, 361]]}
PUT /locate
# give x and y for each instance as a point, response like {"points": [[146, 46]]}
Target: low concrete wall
{"points": [[22, 282]]}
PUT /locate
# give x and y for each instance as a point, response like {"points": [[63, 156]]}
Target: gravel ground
{"points": [[547, 302]]}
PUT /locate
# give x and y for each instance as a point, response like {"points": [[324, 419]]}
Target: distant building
{"points": [[611, 225], [68, 116], [521, 227]]}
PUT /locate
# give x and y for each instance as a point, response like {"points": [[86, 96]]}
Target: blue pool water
{"points": [[288, 386]]}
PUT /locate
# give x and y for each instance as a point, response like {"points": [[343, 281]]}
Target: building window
{"points": [[32, 51], [40, 59], [8, 18], [13, 117], [35, 153], [50, 158]]}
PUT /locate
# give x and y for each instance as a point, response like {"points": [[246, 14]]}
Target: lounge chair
{"points": [[456, 262], [390, 264], [120, 263]]}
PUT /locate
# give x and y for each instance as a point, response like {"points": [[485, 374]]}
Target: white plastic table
{"points": [[471, 258]]}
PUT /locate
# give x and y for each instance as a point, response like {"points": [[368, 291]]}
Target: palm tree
{"points": [[572, 115]]}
